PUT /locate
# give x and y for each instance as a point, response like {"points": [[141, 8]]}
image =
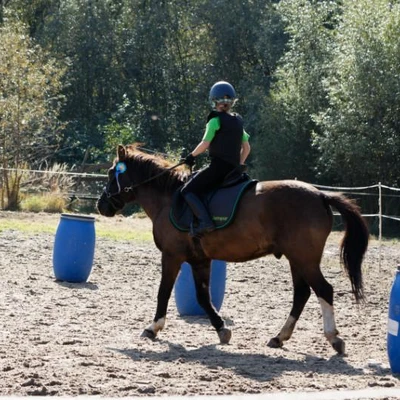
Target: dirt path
{"points": [[72, 339]]}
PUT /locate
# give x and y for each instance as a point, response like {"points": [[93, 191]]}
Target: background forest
{"points": [[318, 82]]}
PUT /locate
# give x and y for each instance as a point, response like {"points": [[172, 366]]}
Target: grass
{"points": [[113, 230], [116, 233], [48, 202], [26, 226]]}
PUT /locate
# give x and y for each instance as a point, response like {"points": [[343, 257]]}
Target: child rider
{"points": [[228, 146]]}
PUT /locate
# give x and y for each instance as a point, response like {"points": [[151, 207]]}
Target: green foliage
{"points": [[84, 34], [284, 150], [121, 128], [318, 82], [29, 97], [29, 104], [162, 56], [360, 141]]}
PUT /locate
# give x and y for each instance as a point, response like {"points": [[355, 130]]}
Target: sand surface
{"points": [[66, 339]]}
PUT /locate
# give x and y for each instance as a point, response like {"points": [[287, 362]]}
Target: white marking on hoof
{"points": [[157, 326], [287, 330], [330, 330]]}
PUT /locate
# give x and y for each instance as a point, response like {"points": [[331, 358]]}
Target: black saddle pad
{"points": [[221, 204]]}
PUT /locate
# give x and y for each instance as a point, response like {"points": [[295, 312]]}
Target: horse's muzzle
{"points": [[105, 207]]}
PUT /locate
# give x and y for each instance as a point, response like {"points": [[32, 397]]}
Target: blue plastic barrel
{"points": [[185, 291], [74, 245], [393, 336]]}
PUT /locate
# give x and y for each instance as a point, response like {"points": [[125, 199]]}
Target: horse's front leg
{"points": [[169, 272], [201, 275], [301, 294]]}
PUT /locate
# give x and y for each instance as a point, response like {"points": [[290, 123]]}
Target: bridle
{"points": [[120, 168]]}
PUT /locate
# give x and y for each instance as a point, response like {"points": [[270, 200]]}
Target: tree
{"points": [[84, 34], [146, 67], [360, 129], [284, 149], [3, 4], [30, 83], [163, 57], [246, 40]]}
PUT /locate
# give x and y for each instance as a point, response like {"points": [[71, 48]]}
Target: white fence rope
{"points": [[338, 188], [346, 188], [82, 174], [379, 186]]}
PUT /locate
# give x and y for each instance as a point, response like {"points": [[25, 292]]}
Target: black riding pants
{"points": [[209, 177]]}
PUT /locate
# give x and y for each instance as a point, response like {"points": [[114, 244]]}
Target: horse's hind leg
{"points": [[201, 275], [324, 292], [313, 278], [170, 269], [301, 293]]}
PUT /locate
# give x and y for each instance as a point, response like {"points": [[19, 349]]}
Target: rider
{"points": [[228, 146]]}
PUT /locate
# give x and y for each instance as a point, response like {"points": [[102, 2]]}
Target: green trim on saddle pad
{"points": [[220, 201]]}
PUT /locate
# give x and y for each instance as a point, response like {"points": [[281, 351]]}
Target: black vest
{"points": [[227, 141]]}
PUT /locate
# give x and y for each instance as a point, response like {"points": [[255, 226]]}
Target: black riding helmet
{"points": [[222, 92]]}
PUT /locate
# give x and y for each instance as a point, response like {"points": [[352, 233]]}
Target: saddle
{"points": [[221, 203]]}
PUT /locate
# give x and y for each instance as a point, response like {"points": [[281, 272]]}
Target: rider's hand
{"points": [[190, 160]]}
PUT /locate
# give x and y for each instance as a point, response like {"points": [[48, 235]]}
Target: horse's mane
{"points": [[147, 166]]}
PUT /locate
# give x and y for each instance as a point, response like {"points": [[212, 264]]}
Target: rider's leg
{"points": [[205, 180], [199, 210]]}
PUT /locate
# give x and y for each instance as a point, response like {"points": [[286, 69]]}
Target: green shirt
{"points": [[213, 126]]}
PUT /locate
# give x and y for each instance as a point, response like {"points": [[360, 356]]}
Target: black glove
{"points": [[190, 160]]}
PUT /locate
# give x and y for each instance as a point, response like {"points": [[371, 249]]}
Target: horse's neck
{"points": [[152, 202]]}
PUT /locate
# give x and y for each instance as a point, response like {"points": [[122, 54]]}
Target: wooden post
{"points": [[380, 223], [79, 179]]}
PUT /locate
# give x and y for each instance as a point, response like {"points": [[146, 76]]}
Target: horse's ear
{"points": [[121, 152]]}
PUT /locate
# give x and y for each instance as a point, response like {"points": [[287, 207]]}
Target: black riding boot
{"points": [[205, 223]]}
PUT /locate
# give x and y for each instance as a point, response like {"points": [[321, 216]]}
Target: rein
{"points": [[129, 188], [133, 186]]}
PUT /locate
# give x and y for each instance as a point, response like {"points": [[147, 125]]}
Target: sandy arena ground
{"points": [[67, 339]]}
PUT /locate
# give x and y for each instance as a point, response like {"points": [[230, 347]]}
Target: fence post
{"points": [[380, 223]]}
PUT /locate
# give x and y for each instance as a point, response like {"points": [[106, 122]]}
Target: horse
{"points": [[287, 218]]}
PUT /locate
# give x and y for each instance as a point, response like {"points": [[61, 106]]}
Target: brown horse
{"points": [[289, 218]]}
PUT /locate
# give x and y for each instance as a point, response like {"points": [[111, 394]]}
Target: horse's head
{"points": [[134, 170], [118, 190]]}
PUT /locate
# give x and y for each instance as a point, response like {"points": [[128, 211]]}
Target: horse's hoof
{"points": [[225, 335], [147, 333], [274, 343], [338, 345]]}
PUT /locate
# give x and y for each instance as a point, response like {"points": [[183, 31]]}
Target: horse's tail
{"points": [[355, 241]]}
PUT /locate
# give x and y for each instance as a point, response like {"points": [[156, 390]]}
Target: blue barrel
{"points": [[185, 291], [74, 245], [393, 336]]}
